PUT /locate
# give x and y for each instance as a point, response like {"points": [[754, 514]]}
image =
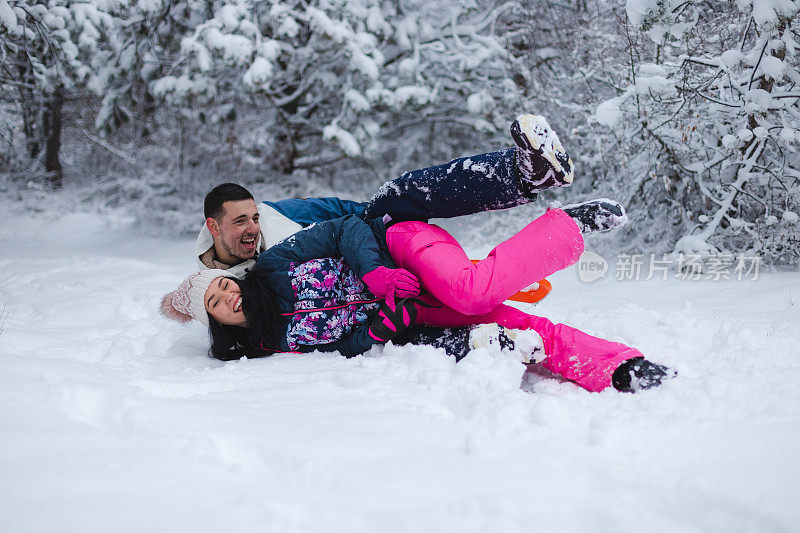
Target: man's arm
{"points": [[307, 211]]}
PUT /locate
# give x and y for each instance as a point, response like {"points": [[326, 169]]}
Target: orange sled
{"points": [[531, 296]]}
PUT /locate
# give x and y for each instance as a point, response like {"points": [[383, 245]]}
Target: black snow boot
{"points": [[639, 374], [542, 162], [597, 215]]}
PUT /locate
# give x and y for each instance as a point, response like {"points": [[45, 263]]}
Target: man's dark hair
{"points": [[227, 192]]}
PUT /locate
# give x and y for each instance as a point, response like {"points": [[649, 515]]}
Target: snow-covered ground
{"points": [[114, 419]]}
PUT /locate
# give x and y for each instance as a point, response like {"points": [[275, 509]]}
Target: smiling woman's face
{"points": [[223, 301]]}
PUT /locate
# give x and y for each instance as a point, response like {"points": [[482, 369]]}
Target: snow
{"points": [[650, 69], [88, 36], [362, 63], [378, 95], [772, 67], [148, 6], [356, 99], [478, 103], [357, 8], [70, 50], [114, 418], [760, 132], [744, 134], [413, 94], [53, 21], [483, 125], [288, 27], [729, 141], [547, 53], [376, 23], [638, 9], [610, 112], [259, 73], [789, 42], [692, 245], [269, 49], [658, 32], [338, 31], [236, 49], [408, 67], [731, 58], [790, 217], [763, 12], [346, 140], [183, 86], [787, 134], [230, 16], [7, 17], [652, 79], [190, 45], [655, 85]]}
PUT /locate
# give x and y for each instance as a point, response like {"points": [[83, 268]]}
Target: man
{"points": [[237, 228]]}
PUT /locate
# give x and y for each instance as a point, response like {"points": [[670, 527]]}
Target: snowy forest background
{"points": [[685, 111]]}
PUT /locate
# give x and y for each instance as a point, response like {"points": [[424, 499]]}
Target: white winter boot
{"points": [[524, 343]]}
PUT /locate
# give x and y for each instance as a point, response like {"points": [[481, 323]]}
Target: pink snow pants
{"points": [[464, 293]]}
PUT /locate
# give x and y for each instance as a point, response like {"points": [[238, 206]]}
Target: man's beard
{"points": [[231, 252]]}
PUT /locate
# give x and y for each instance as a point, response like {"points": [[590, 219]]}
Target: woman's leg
{"points": [[587, 360], [454, 341], [546, 245]]}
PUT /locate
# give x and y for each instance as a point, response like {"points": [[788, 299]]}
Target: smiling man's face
{"points": [[235, 231]]}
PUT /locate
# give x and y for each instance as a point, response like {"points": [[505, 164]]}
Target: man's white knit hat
{"points": [[186, 302]]}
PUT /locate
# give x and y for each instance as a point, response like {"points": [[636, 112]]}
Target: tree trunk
{"points": [[51, 128], [29, 107]]}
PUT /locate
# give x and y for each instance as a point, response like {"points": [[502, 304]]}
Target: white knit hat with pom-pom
{"points": [[186, 303]]}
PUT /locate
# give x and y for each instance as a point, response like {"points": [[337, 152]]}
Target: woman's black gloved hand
{"points": [[393, 318]]}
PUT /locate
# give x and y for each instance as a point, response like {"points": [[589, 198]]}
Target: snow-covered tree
{"points": [[369, 80], [48, 53], [707, 112]]}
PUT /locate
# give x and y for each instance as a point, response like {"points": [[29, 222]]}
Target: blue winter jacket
{"points": [[316, 275]]}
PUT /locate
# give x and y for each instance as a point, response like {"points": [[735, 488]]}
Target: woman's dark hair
{"points": [[260, 339]]}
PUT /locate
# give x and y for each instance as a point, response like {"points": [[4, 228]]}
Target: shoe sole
{"points": [[615, 213], [542, 138]]}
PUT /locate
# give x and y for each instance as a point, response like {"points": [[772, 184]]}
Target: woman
{"points": [[345, 285]]}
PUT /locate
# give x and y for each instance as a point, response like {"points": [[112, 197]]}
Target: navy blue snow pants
{"points": [[461, 187]]}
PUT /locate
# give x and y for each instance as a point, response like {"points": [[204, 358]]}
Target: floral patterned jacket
{"points": [[316, 274]]}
